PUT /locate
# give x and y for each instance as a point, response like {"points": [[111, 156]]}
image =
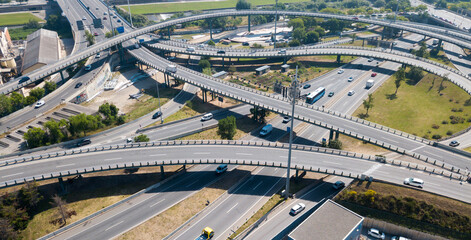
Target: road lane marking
{"points": [[66, 165], [113, 226], [257, 185], [232, 207], [332, 162], [112, 159], [11, 175], [417, 148], [287, 157], [244, 154], [201, 153], [372, 169], [157, 203], [189, 185], [158, 155], [432, 154]]}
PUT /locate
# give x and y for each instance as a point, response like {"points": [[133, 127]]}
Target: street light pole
{"points": [[111, 22], [294, 93], [276, 16], [130, 15]]}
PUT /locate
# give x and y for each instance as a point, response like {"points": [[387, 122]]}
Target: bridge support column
{"points": [[297, 174], [331, 134], [336, 135], [223, 62], [285, 59], [212, 96], [211, 29], [338, 58], [363, 44], [402, 32], [440, 42], [249, 23], [62, 76], [168, 32], [203, 93], [162, 172]]}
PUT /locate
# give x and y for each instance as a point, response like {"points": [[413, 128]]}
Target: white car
{"points": [[399, 238], [416, 182], [350, 79], [98, 55], [376, 233], [39, 104], [207, 116], [340, 71], [84, 19], [351, 92], [297, 209], [129, 140]]}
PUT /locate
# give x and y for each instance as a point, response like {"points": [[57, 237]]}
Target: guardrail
{"points": [[458, 175], [297, 116]]}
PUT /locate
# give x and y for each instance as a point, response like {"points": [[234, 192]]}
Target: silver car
{"points": [[416, 182]]}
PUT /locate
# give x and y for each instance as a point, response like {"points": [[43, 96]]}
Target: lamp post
{"points": [[109, 16], [130, 15], [276, 17], [293, 94]]}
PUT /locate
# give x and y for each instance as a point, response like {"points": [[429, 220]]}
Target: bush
{"points": [[449, 133], [446, 122], [435, 126], [456, 119], [141, 138], [437, 136], [335, 144]]}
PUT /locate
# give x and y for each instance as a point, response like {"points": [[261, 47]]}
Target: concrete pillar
{"points": [[212, 96], [62, 76], [223, 62], [382, 33], [336, 135], [285, 60], [297, 173], [162, 172], [338, 58], [249, 24], [168, 32], [363, 44], [62, 185], [331, 134], [440, 42], [211, 29], [402, 32]]}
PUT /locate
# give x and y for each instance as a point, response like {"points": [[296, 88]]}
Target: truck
{"points": [[171, 68], [370, 83], [435, 42], [207, 233], [266, 130]]}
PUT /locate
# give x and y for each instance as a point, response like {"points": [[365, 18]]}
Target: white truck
{"points": [[370, 83], [171, 68]]}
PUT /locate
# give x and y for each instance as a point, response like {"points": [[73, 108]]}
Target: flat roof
{"points": [[329, 221], [263, 68], [221, 73], [285, 66]]}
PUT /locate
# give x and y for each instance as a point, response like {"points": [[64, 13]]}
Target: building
{"points": [[262, 70], [42, 48], [7, 57], [330, 221], [5, 43]]}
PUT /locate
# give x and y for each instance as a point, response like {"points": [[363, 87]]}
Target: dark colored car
{"points": [[221, 52], [119, 20], [24, 79], [78, 85], [245, 44], [157, 114], [306, 86], [331, 94], [84, 142]]}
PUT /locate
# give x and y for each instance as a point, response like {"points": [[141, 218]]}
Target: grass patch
{"points": [[412, 104], [358, 43], [9, 19], [149, 102], [443, 59], [468, 149], [87, 195], [161, 225], [354, 145], [20, 33], [194, 108], [195, 6], [274, 201], [409, 207]]}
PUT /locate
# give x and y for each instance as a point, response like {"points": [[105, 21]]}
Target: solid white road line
{"points": [[201, 153], [66, 165], [257, 185], [157, 155], [432, 154], [113, 226], [232, 207], [244, 154], [332, 162], [11, 175], [189, 185], [112, 159], [157, 203], [417, 148]]}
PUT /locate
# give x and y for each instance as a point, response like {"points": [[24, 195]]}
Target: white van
{"points": [[206, 117], [171, 68], [282, 51]]}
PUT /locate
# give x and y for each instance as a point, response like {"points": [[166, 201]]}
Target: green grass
{"points": [[20, 33], [149, 102], [196, 6], [468, 149], [418, 107], [9, 19]]}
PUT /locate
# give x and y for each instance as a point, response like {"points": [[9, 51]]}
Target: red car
{"points": [[96, 34], [104, 18], [374, 74]]}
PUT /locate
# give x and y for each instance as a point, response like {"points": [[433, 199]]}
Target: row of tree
{"points": [[76, 126], [16, 101]]}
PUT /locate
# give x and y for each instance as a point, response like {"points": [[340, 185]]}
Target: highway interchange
{"points": [[308, 159]]}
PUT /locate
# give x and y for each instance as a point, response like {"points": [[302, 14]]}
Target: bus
{"points": [[316, 95]]}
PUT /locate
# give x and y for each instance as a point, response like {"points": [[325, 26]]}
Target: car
{"points": [[84, 19], [119, 20], [371, 59], [286, 119], [282, 51], [221, 169], [97, 9], [306, 86], [454, 143], [340, 71], [39, 104], [78, 85], [460, 56], [374, 74], [88, 67], [338, 185], [114, 16], [206, 234], [105, 13], [245, 44], [207, 116], [297, 209], [376, 233], [98, 55], [416, 182], [24, 79], [129, 140], [104, 18], [221, 52], [399, 238], [84, 142], [350, 79], [331, 94], [351, 92], [156, 115], [95, 34]]}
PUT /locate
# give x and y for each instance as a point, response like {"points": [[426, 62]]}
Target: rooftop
{"points": [[42, 47]]}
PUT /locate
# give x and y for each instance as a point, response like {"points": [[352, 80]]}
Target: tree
{"points": [[296, 23], [6, 230], [415, 74], [37, 93], [368, 103], [335, 144], [400, 76], [110, 34], [243, 4], [50, 86], [77, 124], [54, 130], [441, 4], [110, 111], [208, 71], [258, 114], [204, 64], [299, 34], [61, 208], [320, 31], [294, 43], [90, 38], [379, 4], [35, 137], [312, 37], [29, 195], [5, 105], [334, 25], [141, 138], [211, 43], [227, 127], [17, 100], [32, 24]]}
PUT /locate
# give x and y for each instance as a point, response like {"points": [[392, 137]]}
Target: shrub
{"points": [[444, 122], [469, 119], [435, 126], [436, 136], [453, 109], [449, 133]]}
